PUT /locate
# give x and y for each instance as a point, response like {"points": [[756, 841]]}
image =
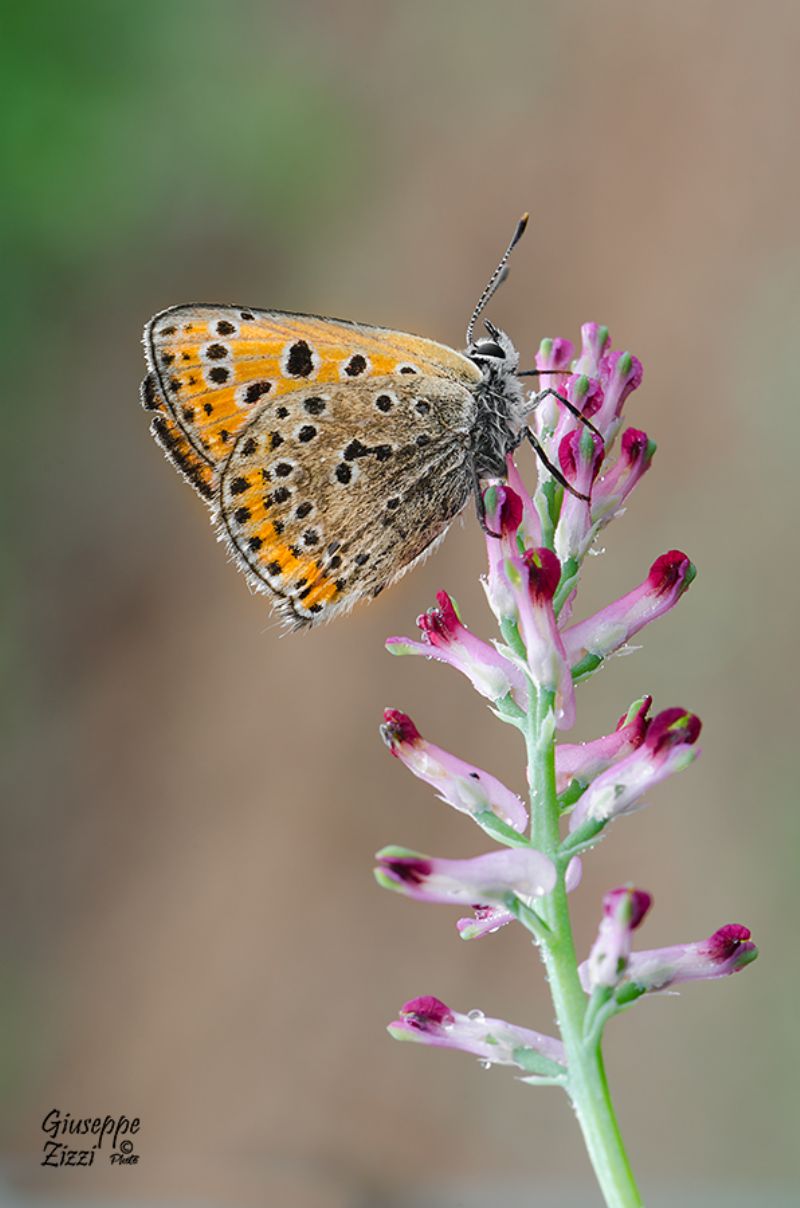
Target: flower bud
{"points": [[623, 911], [582, 762], [427, 1020], [447, 640], [668, 747], [726, 951], [600, 635], [484, 879], [467, 788]]}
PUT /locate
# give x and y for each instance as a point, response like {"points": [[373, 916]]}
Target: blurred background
{"points": [[191, 800]]}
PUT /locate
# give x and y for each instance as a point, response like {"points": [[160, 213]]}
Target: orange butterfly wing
{"points": [[211, 366], [220, 372]]}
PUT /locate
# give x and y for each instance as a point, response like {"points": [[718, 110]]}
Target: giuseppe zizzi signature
{"points": [[74, 1141]]}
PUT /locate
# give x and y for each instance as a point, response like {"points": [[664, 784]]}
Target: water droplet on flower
{"points": [[595, 553], [476, 1015], [484, 1063]]}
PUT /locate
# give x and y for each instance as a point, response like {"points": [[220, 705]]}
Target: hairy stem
{"points": [[586, 1085]]}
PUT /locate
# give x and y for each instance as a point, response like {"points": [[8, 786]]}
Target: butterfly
{"points": [[333, 455]]}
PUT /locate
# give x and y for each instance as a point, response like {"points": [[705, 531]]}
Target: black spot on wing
{"points": [[300, 361]]}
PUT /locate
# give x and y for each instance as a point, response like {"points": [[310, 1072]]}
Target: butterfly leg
{"points": [[573, 410], [559, 477]]}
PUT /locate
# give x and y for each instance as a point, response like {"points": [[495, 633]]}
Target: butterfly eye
{"points": [[488, 348]]}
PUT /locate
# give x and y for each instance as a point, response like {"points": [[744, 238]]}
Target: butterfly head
{"points": [[495, 354]]}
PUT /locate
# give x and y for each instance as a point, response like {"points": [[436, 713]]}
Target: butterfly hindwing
{"points": [[214, 366], [334, 490]]}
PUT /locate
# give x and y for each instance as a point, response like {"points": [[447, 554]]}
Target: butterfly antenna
{"points": [[497, 278]]}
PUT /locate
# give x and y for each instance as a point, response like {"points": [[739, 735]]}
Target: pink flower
{"points": [[428, 1020], [504, 513], [523, 591], [613, 488], [620, 373], [668, 747], [488, 919], [580, 454], [623, 911], [487, 879], [726, 951], [589, 642], [467, 788], [531, 527], [447, 640], [582, 761], [594, 342], [554, 354], [553, 361]]}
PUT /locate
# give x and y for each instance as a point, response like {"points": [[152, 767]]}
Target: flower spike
{"points": [[536, 548]]}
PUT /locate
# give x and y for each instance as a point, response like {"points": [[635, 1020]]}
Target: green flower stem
{"points": [[586, 1083]]}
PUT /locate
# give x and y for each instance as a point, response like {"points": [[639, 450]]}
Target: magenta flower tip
{"points": [[671, 728], [425, 1012], [727, 942], [637, 445], [405, 870], [672, 570], [635, 902], [636, 718], [544, 573], [580, 453], [504, 510], [440, 624], [398, 728]]}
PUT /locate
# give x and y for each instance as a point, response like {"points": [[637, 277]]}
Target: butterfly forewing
{"points": [[214, 365], [333, 491]]}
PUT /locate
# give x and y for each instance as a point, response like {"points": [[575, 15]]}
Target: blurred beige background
{"points": [[190, 929]]}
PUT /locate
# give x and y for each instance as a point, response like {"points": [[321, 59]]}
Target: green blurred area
{"points": [[124, 120], [191, 801]]}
